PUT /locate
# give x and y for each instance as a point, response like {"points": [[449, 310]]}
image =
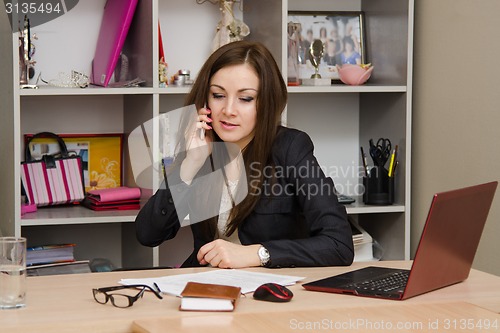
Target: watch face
{"points": [[263, 255]]}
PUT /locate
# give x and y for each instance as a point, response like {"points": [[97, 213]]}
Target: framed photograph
{"points": [[102, 156], [342, 35]]}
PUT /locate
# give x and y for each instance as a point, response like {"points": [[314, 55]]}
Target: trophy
{"points": [[316, 51], [294, 57]]}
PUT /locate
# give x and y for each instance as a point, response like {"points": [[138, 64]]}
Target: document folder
{"points": [[115, 24]]}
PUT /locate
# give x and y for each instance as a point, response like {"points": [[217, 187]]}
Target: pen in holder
{"points": [[379, 187]]}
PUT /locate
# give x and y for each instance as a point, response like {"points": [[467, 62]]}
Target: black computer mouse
{"points": [[272, 292]]}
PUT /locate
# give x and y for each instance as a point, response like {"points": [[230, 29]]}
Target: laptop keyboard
{"points": [[392, 282]]}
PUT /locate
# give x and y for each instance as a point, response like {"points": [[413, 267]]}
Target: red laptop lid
{"points": [[450, 238]]}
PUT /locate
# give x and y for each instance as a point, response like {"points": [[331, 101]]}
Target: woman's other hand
{"points": [[224, 254]]}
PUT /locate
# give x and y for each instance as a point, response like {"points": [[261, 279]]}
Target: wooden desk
{"points": [[65, 303], [441, 317]]}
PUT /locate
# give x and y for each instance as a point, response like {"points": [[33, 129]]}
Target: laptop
{"points": [[444, 255]]}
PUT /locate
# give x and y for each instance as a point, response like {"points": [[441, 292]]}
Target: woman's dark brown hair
{"points": [[271, 101]]}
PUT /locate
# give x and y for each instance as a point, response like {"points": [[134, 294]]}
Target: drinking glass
{"points": [[12, 272]]}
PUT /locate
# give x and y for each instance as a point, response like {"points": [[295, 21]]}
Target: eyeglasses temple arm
{"points": [[156, 292]]}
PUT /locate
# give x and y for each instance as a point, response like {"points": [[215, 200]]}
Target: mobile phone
{"points": [[202, 130]]}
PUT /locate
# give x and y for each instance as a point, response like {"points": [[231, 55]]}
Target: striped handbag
{"points": [[53, 179]]}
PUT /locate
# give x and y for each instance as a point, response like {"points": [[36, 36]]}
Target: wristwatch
{"points": [[263, 256]]}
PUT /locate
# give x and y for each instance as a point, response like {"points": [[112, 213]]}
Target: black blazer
{"points": [[298, 218]]}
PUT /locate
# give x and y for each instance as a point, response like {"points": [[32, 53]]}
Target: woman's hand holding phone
{"points": [[198, 146]]}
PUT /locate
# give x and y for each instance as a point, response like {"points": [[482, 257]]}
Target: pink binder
{"points": [[115, 194], [115, 24]]}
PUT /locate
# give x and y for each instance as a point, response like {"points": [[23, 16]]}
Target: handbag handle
{"points": [[60, 141]]}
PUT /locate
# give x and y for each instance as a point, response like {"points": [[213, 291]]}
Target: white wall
{"points": [[456, 112]]}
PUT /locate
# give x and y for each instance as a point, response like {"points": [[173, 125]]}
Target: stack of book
{"points": [[363, 243], [54, 259], [73, 267], [49, 254], [122, 198]]}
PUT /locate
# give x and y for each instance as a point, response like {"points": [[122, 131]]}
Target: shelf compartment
{"points": [[69, 43], [386, 24]]}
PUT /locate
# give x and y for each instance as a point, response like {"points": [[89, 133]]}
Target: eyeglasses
{"points": [[102, 295]]}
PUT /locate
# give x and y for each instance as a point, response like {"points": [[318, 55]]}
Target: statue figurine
{"points": [[163, 73], [229, 28], [26, 52]]}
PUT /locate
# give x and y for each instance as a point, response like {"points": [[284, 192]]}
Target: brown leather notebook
{"points": [[209, 297]]}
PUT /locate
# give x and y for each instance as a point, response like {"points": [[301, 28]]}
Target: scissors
{"points": [[381, 151]]}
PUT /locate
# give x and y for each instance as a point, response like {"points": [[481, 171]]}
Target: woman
{"points": [[331, 57], [350, 56], [289, 214]]}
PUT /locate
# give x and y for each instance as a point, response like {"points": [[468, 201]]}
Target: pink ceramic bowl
{"points": [[354, 74]]}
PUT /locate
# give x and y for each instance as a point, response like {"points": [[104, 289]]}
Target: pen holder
{"points": [[379, 187]]}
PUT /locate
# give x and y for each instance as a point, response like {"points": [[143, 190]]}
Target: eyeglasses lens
{"points": [[121, 301], [100, 297]]}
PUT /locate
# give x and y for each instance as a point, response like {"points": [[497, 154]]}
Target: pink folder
{"points": [[115, 24], [115, 194]]}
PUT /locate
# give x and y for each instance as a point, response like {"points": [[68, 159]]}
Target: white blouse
{"points": [[224, 210]]}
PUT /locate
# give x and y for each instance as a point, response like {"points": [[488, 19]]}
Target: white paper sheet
{"points": [[246, 280]]}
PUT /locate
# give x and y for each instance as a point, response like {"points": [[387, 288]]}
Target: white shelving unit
{"points": [[339, 118]]}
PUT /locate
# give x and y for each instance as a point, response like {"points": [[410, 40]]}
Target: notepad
{"points": [[115, 24], [209, 297]]}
